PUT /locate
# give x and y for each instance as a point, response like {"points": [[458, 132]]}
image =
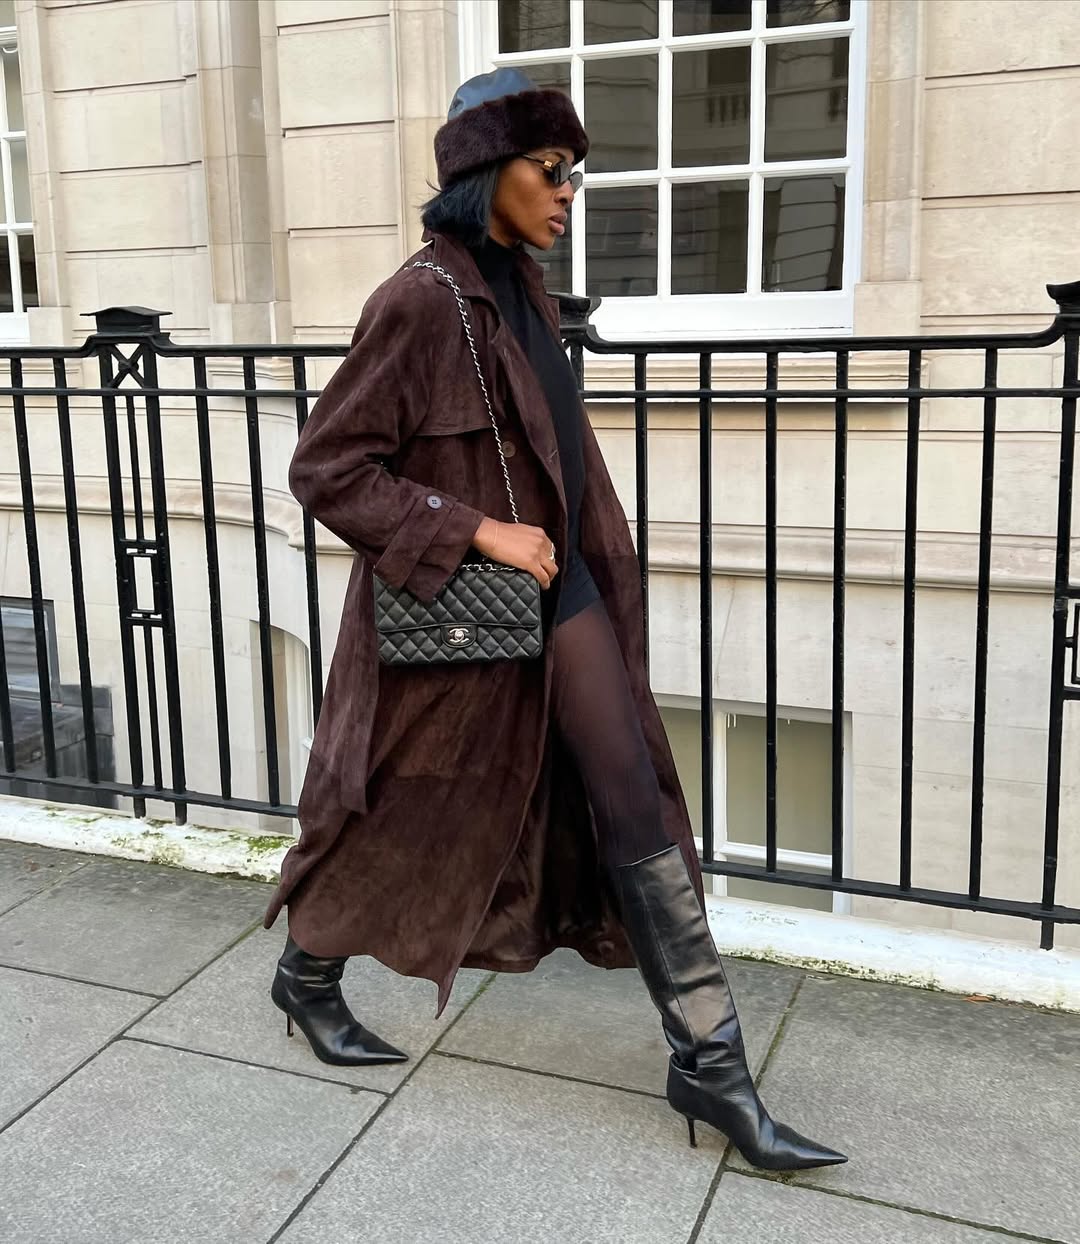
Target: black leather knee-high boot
{"points": [[708, 1077], [308, 989]]}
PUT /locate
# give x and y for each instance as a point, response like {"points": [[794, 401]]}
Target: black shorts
{"points": [[578, 588]]}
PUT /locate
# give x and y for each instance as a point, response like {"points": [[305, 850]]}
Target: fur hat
{"points": [[500, 114]]}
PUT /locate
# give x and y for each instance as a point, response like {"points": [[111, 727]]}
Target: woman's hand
{"points": [[516, 544]]}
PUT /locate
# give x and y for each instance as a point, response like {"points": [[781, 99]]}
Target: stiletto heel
{"points": [[288, 1026], [693, 1134]]}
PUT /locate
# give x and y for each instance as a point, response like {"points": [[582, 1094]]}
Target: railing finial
{"points": [[127, 322], [574, 314], [1067, 297]]}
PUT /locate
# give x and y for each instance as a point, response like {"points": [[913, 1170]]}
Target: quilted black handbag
{"points": [[485, 612]]}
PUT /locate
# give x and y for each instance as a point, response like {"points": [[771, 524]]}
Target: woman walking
{"points": [[483, 814]]}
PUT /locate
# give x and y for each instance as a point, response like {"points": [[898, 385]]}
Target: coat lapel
{"points": [[527, 395]]}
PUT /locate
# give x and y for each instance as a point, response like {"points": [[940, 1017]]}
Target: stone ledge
{"points": [[70, 828], [844, 945], [938, 959]]}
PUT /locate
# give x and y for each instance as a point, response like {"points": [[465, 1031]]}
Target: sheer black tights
{"points": [[594, 712]]}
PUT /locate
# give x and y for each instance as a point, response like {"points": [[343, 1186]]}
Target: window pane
{"points": [[710, 110], [708, 238], [804, 783], [28, 270], [620, 113], [20, 176], [807, 12], [13, 90], [20, 647], [613, 21], [806, 94], [620, 241], [710, 17], [7, 12], [525, 25], [556, 74], [20, 650], [558, 273], [683, 729], [557, 262], [804, 233]]}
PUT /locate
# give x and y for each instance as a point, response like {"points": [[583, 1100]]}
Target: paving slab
{"points": [[571, 1018], [141, 927], [227, 1010], [157, 1145], [470, 1153], [962, 1108], [757, 1211], [49, 1026], [26, 869]]}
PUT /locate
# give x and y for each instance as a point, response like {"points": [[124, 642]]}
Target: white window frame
{"points": [[15, 324], [704, 316], [726, 849]]}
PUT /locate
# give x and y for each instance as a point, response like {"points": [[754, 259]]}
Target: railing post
{"points": [[1068, 299], [141, 326], [574, 327]]}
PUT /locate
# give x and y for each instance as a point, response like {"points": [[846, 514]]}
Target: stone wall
{"points": [[256, 169]]}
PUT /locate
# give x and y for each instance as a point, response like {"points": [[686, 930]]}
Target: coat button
{"points": [[434, 502], [509, 449]]}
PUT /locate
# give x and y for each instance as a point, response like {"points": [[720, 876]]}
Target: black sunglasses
{"points": [[558, 171]]}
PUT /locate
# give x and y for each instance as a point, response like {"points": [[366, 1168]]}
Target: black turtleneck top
{"points": [[498, 266]]}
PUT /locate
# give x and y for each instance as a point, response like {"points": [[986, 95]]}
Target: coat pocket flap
{"points": [[454, 421]]}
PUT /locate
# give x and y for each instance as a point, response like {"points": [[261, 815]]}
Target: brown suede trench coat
{"points": [[442, 823]]}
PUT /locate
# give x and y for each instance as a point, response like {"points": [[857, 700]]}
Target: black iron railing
{"points": [[156, 401]]}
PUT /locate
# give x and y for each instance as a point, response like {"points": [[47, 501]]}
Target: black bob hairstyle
{"points": [[463, 208]]}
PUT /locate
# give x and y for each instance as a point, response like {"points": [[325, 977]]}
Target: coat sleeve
{"points": [[415, 535]]}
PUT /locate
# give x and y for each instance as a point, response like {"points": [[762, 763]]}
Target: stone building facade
{"points": [[878, 167]]}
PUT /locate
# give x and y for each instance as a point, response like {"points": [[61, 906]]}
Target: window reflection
{"points": [[708, 237], [806, 12], [806, 93], [621, 113], [710, 108], [709, 17], [620, 241], [804, 233], [528, 25], [614, 21], [554, 74]]}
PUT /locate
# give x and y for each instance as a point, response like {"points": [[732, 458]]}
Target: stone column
{"points": [[339, 158], [230, 92], [426, 71], [53, 321], [889, 297]]}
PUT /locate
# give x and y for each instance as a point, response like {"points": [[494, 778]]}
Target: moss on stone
{"points": [[263, 844], [68, 814], [171, 856]]}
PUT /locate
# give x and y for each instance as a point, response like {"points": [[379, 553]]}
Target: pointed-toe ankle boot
{"points": [[308, 989], [708, 1076]]}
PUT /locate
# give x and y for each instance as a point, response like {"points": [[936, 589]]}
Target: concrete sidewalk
{"points": [[149, 1093]]}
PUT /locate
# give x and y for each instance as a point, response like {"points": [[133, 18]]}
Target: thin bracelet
{"points": [[495, 545]]}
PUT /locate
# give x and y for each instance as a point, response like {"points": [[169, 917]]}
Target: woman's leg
{"points": [[708, 1077], [594, 711]]}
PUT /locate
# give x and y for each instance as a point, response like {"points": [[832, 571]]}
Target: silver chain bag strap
{"points": [[486, 611]]}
